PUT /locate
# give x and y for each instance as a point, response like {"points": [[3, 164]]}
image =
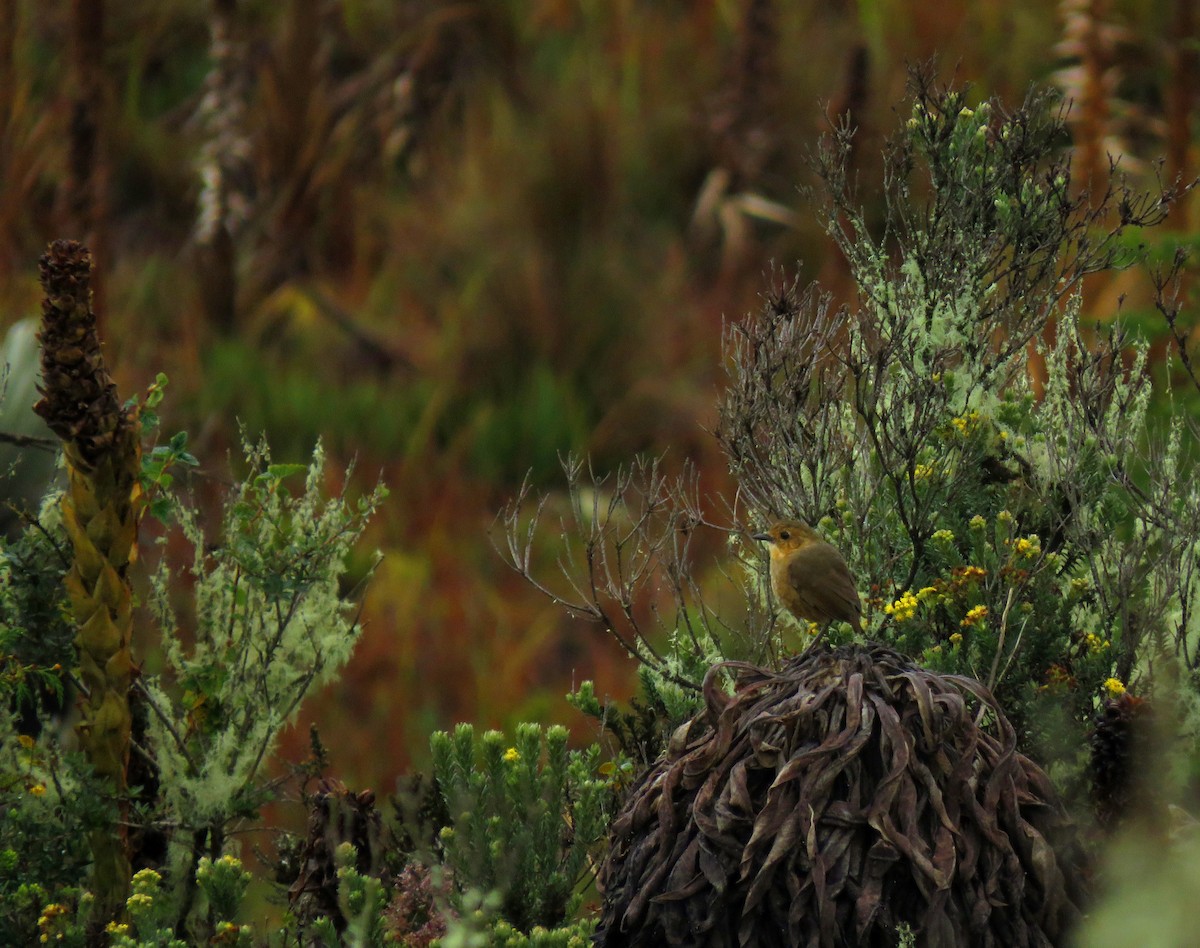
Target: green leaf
{"points": [[280, 471]]}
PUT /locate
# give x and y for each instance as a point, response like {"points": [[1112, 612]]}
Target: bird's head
{"points": [[786, 536]]}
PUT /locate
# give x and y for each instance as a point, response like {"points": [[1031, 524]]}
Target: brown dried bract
{"points": [[79, 399]]}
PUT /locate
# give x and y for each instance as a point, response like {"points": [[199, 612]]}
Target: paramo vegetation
{"points": [[1003, 751]]}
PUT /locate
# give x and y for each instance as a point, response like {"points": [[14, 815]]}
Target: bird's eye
{"points": [[784, 535]]}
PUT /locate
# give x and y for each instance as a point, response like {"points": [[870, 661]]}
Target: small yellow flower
{"points": [[903, 608], [966, 423], [977, 522], [1029, 546], [512, 755], [969, 574], [974, 616], [814, 628], [944, 536], [922, 471], [1115, 687], [37, 789], [1004, 517], [925, 592], [1095, 644], [117, 928], [955, 638], [47, 921]]}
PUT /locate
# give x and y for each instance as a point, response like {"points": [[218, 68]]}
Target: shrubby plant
{"points": [[174, 767], [628, 565], [266, 623], [269, 624], [162, 764], [525, 818], [48, 803], [984, 461]]}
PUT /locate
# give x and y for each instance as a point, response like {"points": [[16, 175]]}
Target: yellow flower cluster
{"points": [[47, 921], [969, 574], [512, 755], [903, 608], [944, 536], [922, 471], [955, 638], [1029, 546], [977, 522], [1095, 644], [1115, 687], [974, 616], [966, 423], [38, 789]]}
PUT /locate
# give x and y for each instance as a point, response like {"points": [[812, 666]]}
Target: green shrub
{"points": [[525, 818], [268, 625], [984, 461]]}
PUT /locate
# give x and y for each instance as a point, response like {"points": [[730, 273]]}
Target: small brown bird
{"points": [[809, 575]]}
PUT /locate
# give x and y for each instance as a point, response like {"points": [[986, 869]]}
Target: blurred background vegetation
{"points": [[456, 238]]}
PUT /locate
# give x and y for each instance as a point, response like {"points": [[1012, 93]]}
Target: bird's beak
{"points": [[762, 536]]}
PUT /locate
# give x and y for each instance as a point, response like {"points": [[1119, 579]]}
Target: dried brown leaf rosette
{"points": [[834, 802]]}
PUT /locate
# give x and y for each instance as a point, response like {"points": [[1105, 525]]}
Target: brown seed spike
{"points": [[79, 399]]}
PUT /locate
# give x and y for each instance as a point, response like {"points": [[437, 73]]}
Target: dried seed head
{"points": [[79, 398]]}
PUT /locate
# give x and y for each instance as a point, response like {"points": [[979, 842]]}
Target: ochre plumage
{"points": [[809, 576]]}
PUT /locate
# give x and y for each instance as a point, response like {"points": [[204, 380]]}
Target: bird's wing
{"points": [[821, 578]]}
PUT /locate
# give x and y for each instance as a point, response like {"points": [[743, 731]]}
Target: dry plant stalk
{"points": [[833, 802], [100, 512]]}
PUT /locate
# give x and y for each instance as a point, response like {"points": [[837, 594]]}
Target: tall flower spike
{"points": [[101, 441]]}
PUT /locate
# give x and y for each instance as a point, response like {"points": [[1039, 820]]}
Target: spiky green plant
{"points": [[524, 818]]}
